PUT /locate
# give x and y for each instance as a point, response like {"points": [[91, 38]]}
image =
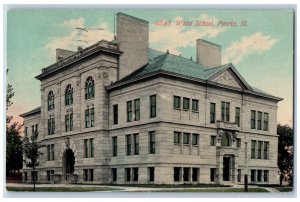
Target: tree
{"points": [[285, 152], [31, 150], [14, 158]]}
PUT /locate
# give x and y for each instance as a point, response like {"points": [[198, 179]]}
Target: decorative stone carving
{"points": [[227, 79]]}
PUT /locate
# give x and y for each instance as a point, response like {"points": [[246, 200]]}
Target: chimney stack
{"points": [[133, 40], [208, 53]]}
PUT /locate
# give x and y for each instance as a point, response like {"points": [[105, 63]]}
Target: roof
{"points": [[31, 112], [161, 62]]}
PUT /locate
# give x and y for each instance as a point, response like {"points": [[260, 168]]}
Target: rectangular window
{"points": [[186, 103], [195, 139], [212, 112], [266, 150], [137, 109], [253, 114], [128, 145], [114, 175], [87, 118], [115, 145], [212, 140], [86, 149], [135, 173], [71, 122], [239, 175], [36, 128], [91, 147], [225, 111], [52, 152], [26, 130], [32, 129], [259, 118], [176, 102], [177, 137], [212, 174], [177, 171], [92, 117], [266, 121], [152, 106], [136, 144], [91, 174], [51, 126], [253, 175], [186, 174], [266, 175], [237, 116], [128, 174], [238, 143], [116, 115], [253, 149], [186, 138], [195, 105], [48, 152], [152, 142], [67, 122], [259, 149], [259, 175], [129, 111], [195, 174], [151, 175]]}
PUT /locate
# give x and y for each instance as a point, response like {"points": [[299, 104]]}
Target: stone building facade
{"points": [[120, 112]]}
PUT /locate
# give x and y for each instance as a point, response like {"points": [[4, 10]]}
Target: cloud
{"points": [[174, 37], [256, 43], [76, 37]]}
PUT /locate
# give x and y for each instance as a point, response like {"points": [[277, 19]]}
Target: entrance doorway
{"points": [[68, 163], [226, 168]]}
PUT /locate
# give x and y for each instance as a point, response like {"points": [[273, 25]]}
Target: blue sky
{"points": [[262, 51]]}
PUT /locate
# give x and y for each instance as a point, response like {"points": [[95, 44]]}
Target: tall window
{"points": [[259, 119], [26, 130], [195, 139], [253, 114], [186, 138], [50, 152], [152, 142], [195, 174], [88, 174], [89, 148], [225, 140], [186, 174], [152, 106], [137, 109], [212, 174], [266, 175], [50, 100], [225, 111], [212, 112], [151, 171], [89, 118], [114, 174], [51, 126], [128, 174], [176, 102], [69, 122], [69, 95], [212, 140], [32, 129], [115, 145], [136, 143], [89, 88], [116, 114], [91, 144], [129, 111], [135, 174], [253, 149], [266, 121], [177, 173], [128, 144], [266, 150], [259, 149], [86, 148], [186, 103], [237, 116], [253, 175], [36, 128], [177, 137], [195, 105]]}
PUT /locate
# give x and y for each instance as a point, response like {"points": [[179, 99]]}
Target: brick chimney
{"points": [[133, 40], [208, 53]]}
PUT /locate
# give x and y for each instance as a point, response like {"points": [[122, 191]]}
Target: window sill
{"points": [[176, 108], [186, 109], [195, 111]]}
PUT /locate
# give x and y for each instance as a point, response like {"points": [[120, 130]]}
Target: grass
{"points": [[169, 185], [214, 190], [284, 189], [60, 189]]}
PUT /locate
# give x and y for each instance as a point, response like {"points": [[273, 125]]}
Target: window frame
{"points": [[153, 106], [69, 95], [253, 119], [137, 113], [152, 142], [184, 101], [129, 110], [238, 116], [116, 114], [212, 112], [89, 88], [115, 145], [176, 105]]}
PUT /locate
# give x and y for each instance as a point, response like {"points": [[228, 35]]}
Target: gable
{"points": [[227, 78]]}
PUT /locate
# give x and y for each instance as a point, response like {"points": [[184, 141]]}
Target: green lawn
{"points": [[169, 185], [214, 190], [284, 189], [61, 189]]}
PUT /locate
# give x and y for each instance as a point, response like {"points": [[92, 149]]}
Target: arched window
{"points": [[225, 140], [50, 101], [89, 88], [69, 95]]}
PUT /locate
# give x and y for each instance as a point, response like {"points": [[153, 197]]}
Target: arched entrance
{"points": [[68, 163]]}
